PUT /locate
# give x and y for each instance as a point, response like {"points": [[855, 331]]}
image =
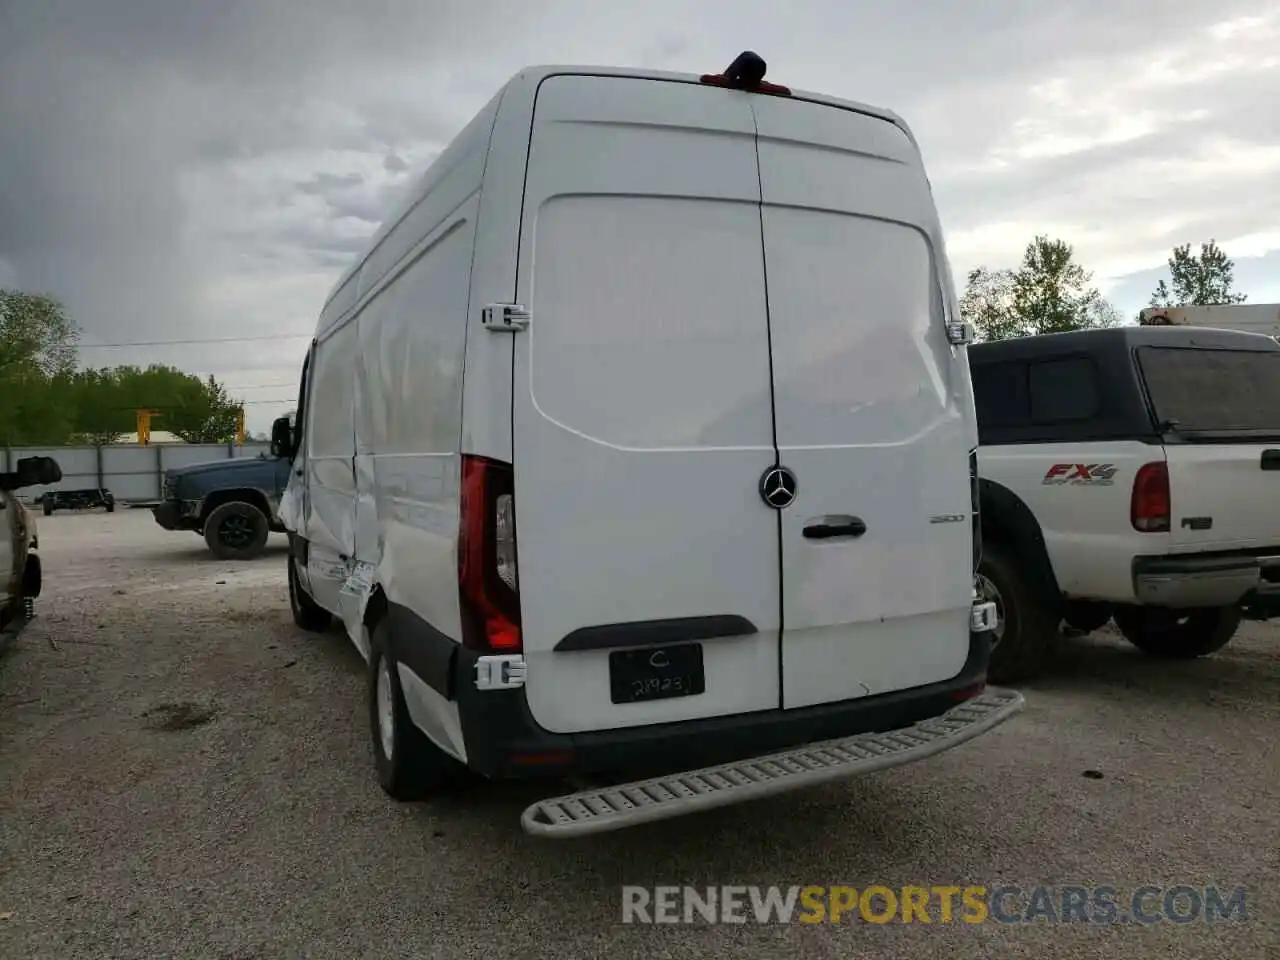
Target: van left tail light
{"points": [[488, 582]]}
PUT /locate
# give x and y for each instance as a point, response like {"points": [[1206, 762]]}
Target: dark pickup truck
{"points": [[233, 503]]}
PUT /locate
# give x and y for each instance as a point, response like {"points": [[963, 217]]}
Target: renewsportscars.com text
{"points": [[968, 903]]}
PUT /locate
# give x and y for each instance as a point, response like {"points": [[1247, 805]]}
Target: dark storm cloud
{"points": [[104, 107], [172, 169]]}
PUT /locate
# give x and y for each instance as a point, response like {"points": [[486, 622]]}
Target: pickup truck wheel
{"points": [[1178, 634], [1027, 627], [307, 614], [48, 508], [236, 531], [410, 766]]}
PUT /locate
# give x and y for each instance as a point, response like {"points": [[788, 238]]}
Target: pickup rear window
{"points": [[1213, 391]]}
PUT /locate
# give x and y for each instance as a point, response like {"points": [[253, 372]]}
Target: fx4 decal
{"points": [[1080, 474]]}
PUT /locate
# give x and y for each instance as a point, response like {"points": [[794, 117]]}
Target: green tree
{"points": [[36, 333], [1049, 293], [1198, 280], [99, 415], [987, 303], [37, 347], [205, 414], [45, 400], [198, 411], [33, 409]]}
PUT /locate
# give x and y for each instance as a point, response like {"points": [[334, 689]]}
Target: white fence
{"points": [[131, 472]]}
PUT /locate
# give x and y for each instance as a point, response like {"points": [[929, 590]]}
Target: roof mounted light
{"points": [[745, 73]]}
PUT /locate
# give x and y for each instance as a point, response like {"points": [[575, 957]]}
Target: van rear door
{"points": [[876, 546], [1220, 411], [642, 415]]}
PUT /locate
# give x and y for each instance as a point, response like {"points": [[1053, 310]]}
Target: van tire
{"points": [[307, 614], [245, 533], [1178, 635], [1028, 627], [415, 767]]}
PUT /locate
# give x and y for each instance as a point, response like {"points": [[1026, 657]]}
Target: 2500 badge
{"points": [[1080, 474]]}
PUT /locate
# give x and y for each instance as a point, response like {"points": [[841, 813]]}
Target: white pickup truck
{"points": [[1132, 475]]}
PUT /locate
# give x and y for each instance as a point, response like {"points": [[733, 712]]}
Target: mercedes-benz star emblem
{"points": [[778, 487]]}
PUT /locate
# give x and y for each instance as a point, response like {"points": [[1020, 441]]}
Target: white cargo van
{"points": [[642, 439]]}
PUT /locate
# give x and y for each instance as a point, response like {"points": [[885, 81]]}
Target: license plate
{"points": [[656, 673]]}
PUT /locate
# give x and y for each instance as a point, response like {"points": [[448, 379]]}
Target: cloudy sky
{"points": [[195, 171]]}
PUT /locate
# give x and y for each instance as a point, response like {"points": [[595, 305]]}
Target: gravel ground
{"points": [[185, 774]]}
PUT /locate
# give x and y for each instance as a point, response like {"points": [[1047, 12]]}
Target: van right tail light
{"points": [[1150, 508], [487, 579]]}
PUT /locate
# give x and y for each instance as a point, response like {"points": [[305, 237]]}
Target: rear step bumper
{"points": [[612, 808]]}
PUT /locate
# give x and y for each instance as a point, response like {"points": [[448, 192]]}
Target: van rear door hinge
{"points": [[503, 672], [504, 317]]}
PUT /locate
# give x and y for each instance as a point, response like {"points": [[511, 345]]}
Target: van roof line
{"points": [[533, 75]]}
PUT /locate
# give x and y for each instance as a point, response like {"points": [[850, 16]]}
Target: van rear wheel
{"points": [[1027, 628], [1178, 634], [410, 766]]}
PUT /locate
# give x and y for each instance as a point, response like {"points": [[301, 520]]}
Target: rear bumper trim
{"points": [[644, 801], [1197, 581], [499, 728]]}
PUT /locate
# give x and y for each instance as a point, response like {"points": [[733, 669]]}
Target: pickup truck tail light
{"points": [[1150, 507]]}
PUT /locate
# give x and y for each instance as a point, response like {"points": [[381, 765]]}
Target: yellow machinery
{"points": [[144, 426]]}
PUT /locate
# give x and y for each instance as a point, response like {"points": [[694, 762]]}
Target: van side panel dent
{"points": [[402, 341], [330, 433], [407, 461]]}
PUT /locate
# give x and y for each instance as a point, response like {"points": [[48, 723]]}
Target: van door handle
{"points": [[1271, 459], [841, 525]]}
